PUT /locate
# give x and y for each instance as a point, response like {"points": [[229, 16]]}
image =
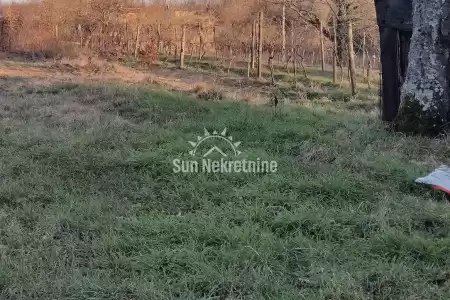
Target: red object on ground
{"points": [[441, 189]]}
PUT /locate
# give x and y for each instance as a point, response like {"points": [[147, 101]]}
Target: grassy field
{"points": [[90, 207], [233, 83]]}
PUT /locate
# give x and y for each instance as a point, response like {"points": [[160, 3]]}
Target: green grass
{"points": [[317, 87], [90, 207]]}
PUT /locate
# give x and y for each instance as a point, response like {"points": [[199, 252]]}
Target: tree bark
{"points": [[334, 51], [283, 33], [294, 63], [294, 52], [136, 45], [232, 56], [291, 55], [215, 42], [200, 41], [425, 94], [176, 44], [191, 51], [182, 46], [303, 67], [322, 47], [260, 43], [253, 50], [351, 57], [369, 68], [249, 62], [341, 32], [271, 57], [364, 54], [80, 32], [158, 32]]}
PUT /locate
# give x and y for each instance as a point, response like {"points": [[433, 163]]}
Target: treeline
{"points": [[341, 33]]}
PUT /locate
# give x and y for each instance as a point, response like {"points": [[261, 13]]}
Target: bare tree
{"points": [[322, 47], [253, 50], [136, 46], [182, 46], [351, 57], [260, 42], [283, 32], [334, 51]]}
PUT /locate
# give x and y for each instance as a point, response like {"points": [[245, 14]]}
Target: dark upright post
{"points": [[394, 18]]}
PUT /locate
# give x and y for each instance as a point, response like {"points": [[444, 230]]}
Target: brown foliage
{"points": [[108, 27]]}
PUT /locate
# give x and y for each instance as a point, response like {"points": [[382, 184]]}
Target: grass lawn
{"points": [[90, 207]]}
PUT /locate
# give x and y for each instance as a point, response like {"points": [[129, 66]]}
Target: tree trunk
{"points": [[322, 47], [200, 40], [182, 46], [191, 51], [341, 30], [351, 57], [294, 65], [369, 68], [127, 39], [364, 54], [334, 51], [294, 52], [260, 43], [249, 62], [231, 55], [283, 33], [303, 67], [253, 50], [271, 57], [175, 41], [80, 32], [215, 42], [159, 38], [341, 79], [136, 45], [291, 55], [425, 94]]}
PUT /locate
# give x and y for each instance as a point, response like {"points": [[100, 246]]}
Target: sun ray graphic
{"points": [[215, 135]]}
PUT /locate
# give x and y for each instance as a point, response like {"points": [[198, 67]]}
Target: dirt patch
{"points": [[85, 68]]}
